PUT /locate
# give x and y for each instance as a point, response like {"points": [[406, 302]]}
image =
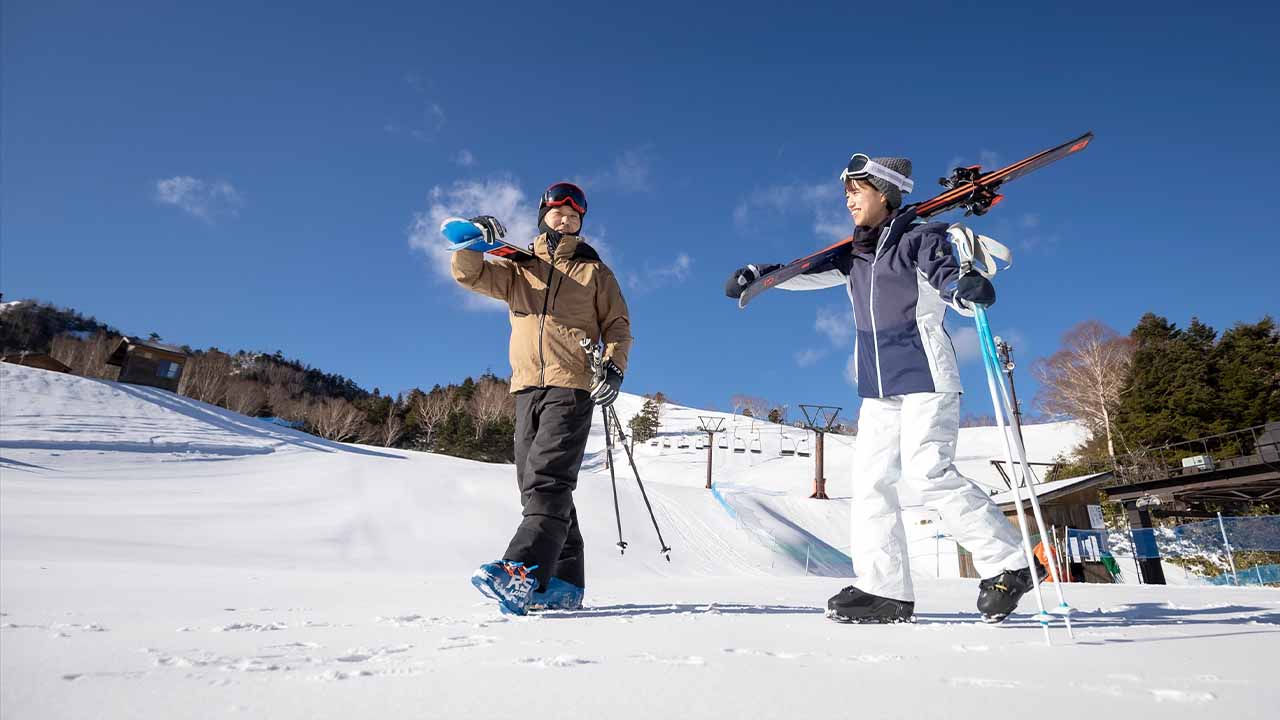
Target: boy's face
{"points": [[866, 204], [563, 219]]}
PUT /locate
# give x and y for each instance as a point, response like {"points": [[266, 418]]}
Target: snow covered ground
{"points": [[161, 558]]}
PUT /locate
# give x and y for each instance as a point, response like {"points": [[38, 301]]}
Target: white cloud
{"points": [[499, 197], [630, 172], [431, 118], [965, 340], [809, 356], [969, 350], [655, 277], [851, 370], [988, 159], [205, 199], [823, 201], [835, 322], [464, 158]]}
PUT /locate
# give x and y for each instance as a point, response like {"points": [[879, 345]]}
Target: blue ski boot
{"points": [[559, 595], [507, 582]]}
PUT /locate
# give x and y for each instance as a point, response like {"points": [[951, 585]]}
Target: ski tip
{"points": [[450, 220], [1082, 143]]}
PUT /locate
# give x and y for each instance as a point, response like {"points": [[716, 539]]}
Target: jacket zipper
{"points": [[875, 340], [542, 323]]}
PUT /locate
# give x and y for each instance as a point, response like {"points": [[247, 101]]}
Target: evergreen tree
{"points": [[1248, 371], [645, 425]]}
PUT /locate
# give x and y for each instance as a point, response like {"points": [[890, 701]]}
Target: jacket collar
{"points": [[570, 247]]}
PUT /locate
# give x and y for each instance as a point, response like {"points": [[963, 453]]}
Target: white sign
{"points": [[1095, 517]]}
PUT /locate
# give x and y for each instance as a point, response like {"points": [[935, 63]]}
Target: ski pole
{"points": [[1043, 617], [594, 356], [666, 550], [980, 254], [989, 353], [613, 481]]}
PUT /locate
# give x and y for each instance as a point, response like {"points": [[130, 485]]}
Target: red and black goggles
{"points": [[564, 193]]}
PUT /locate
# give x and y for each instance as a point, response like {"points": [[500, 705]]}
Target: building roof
{"points": [[37, 360], [1046, 491], [126, 342]]}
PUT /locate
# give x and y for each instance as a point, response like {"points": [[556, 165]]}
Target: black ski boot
{"points": [[851, 605], [999, 595]]}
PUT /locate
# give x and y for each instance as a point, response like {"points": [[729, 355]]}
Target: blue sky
{"points": [[268, 178]]}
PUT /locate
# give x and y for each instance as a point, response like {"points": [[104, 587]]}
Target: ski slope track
{"points": [[163, 558]]}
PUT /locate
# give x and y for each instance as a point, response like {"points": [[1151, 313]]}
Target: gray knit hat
{"points": [[892, 194]]}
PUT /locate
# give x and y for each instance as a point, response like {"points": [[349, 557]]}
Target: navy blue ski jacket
{"points": [[900, 292]]}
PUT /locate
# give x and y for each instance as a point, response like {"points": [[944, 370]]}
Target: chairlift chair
{"points": [[786, 445]]}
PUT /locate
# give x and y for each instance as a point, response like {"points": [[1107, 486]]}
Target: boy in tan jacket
{"points": [[564, 293]]}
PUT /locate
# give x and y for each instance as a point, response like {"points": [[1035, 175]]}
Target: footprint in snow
{"points": [[671, 660], [252, 627], [1182, 696], [559, 661], [1108, 690], [984, 683], [356, 655], [781, 655], [873, 659], [466, 641]]}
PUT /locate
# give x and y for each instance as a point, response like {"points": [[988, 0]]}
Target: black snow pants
{"points": [[552, 425]]}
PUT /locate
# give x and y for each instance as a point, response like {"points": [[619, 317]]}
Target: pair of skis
{"points": [[463, 234], [968, 188]]}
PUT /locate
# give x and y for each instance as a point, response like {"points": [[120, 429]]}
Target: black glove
{"points": [[744, 276], [490, 226], [604, 388], [976, 290]]}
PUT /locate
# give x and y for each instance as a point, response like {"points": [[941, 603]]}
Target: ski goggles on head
{"points": [[861, 167], [565, 194]]}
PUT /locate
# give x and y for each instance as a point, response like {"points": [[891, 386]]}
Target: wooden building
{"points": [[143, 362], [44, 361], [1065, 504]]}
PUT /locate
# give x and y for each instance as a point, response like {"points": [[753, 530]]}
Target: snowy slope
{"points": [[164, 558]]}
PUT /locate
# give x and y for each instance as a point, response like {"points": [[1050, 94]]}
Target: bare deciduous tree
{"points": [[336, 419], [246, 397], [392, 429], [434, 408], [756, 407], [206, 377], [87, 357], [1085, 378], [491, 401], [284, 405]]}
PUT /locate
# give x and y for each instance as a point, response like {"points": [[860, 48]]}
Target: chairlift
{"points": [[739, 445], [700, 443], [683, 443], [756, 446], [803, 449], [666, 442], [724, 442], [786, 445]]}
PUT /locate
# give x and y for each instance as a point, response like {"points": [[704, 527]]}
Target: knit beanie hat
{"points": [[892, 194]]}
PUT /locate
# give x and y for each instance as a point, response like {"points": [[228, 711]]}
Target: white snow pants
{"points": [[912, 439]]}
